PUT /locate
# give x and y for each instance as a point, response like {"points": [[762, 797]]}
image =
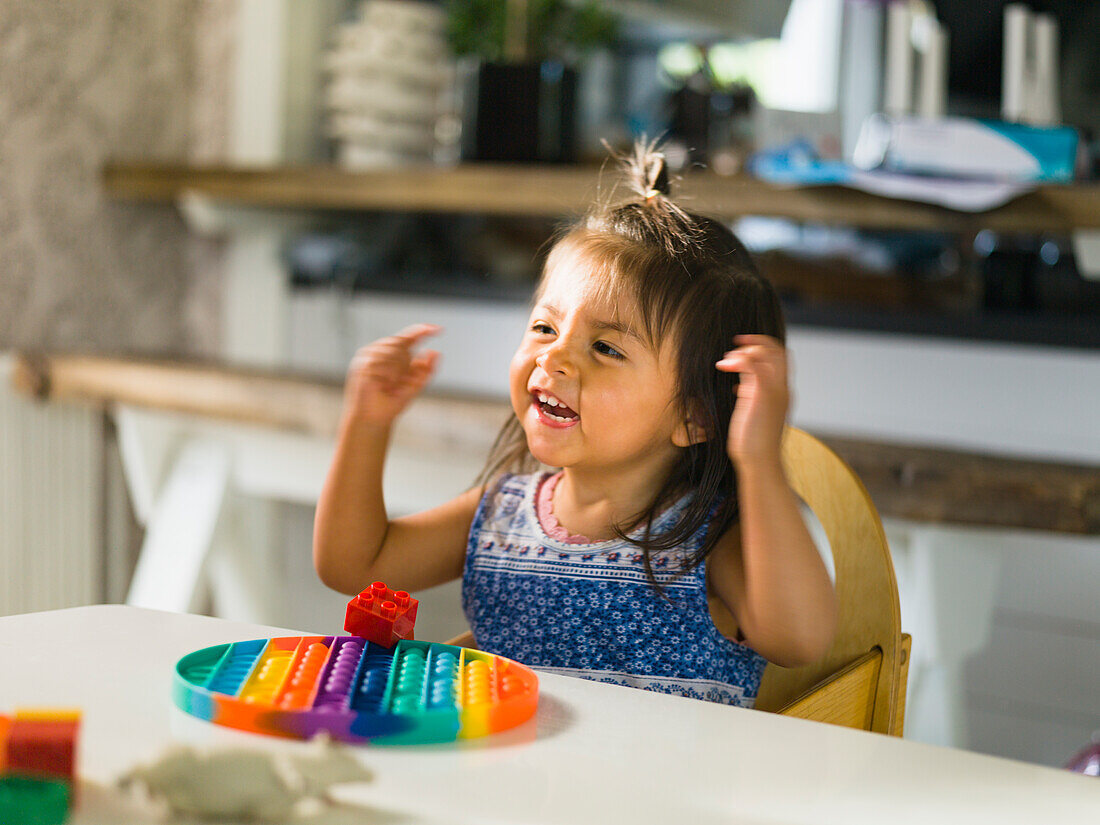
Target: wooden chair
{"points": [[860, 682]]}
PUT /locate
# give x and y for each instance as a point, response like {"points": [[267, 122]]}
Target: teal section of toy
{"points": [[422, 688], [235, 666], [194, 671]]}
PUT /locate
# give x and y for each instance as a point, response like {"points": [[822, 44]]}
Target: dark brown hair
{"points": [[696, 287]]}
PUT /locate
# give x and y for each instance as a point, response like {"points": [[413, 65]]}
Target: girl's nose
{"points": [[554, 359]]}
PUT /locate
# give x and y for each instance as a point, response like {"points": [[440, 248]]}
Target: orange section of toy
{"points": [[299, 687]]}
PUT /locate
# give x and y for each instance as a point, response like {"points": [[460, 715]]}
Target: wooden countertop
{"points": [[924, 484], [555, 191]]}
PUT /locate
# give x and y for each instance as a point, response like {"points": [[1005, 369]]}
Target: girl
{"points": [[668, 551]]}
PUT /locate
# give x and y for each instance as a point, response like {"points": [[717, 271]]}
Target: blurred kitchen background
{"points": [[206, 206]]}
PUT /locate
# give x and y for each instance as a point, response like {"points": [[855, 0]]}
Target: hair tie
{"points": [[658, 177]]}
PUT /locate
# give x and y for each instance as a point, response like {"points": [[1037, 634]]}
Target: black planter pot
{"points": [[522, 112]]}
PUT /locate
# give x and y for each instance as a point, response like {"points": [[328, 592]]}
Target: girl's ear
{"points": [[689, 432]]}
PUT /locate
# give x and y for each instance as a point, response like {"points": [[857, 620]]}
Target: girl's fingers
{"points": [[756, 353], [748, 358], [733, 361], [761, 350], [424, 364], [760, 347], [764, 366], [428, 357], [412, 334], [419, 372], [389, 358], [764, 340]]}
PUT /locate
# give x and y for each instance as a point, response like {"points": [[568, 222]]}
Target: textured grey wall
{"points": [[82, 81]]}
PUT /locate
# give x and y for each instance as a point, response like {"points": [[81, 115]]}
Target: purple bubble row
{"points": [[335, 679]]}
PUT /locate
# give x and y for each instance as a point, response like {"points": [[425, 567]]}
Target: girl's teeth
{"points": [[549, 399], [548, 403]]}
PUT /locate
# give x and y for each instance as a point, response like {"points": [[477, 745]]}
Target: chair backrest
{"points": [[869, 625]]}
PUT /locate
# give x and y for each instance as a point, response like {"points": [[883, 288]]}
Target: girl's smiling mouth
{"points": [[552, 411]]}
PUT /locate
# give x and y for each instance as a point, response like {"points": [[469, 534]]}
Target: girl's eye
{"points": [[541, 328], [603, 348]]}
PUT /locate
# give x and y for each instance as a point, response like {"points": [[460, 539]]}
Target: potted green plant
{"points": [[522, 97]]}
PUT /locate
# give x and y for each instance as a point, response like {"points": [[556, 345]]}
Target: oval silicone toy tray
{"points": [[357, 691]]}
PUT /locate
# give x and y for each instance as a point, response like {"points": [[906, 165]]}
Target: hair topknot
{"points": [[646, 170], [651, 216]]}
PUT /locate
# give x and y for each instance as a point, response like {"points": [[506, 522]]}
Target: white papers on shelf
{"points": [[797, 164], [963, 195]]}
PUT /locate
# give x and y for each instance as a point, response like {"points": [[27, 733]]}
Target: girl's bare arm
{"points": [[354, 541], [775, 583], [773, 579]]}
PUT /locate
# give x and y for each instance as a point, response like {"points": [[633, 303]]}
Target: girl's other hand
{"points": [[386, 375], [763, 397]]}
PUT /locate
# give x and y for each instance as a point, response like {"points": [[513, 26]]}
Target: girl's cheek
{"points": [[518, 374], [516, 366]]}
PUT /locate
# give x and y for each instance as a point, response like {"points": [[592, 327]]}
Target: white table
{"points": [[594, 753]]}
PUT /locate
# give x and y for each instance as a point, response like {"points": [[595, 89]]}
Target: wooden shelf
{"points": [[915, 483], [556, 191]]}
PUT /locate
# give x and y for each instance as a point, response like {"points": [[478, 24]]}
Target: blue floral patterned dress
{"points": [[589, 610]]}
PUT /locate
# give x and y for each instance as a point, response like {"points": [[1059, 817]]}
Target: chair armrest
{"points": [[846, 698], [906, 648], [464, 640]]}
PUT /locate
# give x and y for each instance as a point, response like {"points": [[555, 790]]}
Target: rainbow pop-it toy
{"points": [[357, 691]]}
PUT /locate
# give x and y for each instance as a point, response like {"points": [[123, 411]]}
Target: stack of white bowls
{"points": [[388, 72]]}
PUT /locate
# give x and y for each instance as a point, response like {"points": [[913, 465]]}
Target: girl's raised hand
{"points": [[386, 375], [763, 397]]}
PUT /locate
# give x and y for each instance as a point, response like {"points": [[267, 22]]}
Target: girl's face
{"points": [[589, 391]]}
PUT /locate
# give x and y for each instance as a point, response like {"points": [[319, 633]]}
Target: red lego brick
{"points": [[43, 745], [381, 615]]}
